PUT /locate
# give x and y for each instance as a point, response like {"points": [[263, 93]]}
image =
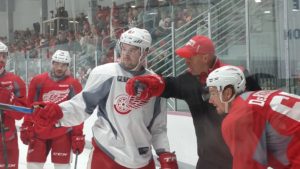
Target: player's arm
{"points": [[147, 86], [284, 113], [82, 105], [20, 92], [74, 111], [160, 140], [173, 87], [27, 129], [18, 97]]}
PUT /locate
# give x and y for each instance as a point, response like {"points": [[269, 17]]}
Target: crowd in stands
{"points": [[97, 40]]}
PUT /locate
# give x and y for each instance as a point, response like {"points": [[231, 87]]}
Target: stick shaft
{"points": [[26, 110]]}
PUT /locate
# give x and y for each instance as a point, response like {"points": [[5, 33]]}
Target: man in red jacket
{"points": [[12, 91], [261, 128], [54, 86]]}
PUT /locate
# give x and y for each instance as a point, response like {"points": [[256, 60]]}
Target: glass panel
{"points": [[264, 57]]}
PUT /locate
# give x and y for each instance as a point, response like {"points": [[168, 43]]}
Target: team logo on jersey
{"points": [[56, 96], [123, 104], [7, 85], [63, 85]]}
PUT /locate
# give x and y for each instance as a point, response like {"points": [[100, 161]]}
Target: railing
{"points": [[224, 22]]}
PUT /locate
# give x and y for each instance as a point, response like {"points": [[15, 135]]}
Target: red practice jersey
{"points": [[43, 88], [17, 86], [262, 129]]}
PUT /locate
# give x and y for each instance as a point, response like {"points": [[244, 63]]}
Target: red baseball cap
{"points": [[199, 44]]}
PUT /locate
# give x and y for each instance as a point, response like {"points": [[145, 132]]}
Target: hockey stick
{"points": [[2, 128], [10, 107], [76, 157]]}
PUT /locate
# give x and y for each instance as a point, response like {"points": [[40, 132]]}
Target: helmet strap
{"points": [[141, 61], [226, 102]]}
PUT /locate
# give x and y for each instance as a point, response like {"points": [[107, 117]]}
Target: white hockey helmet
{"points": [[227, 75], [3, 48], [61, 56], [137, 37]]}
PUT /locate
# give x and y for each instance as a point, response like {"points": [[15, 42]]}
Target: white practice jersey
{"points": [[126, 126]]}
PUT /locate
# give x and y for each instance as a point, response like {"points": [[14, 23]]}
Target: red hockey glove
{"points": [[6, 96], [46, 114], [168, 161], [27, 132], [145, 86], [78, 142]]}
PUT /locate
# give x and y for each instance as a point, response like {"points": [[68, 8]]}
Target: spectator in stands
{"points": [[163, 29], [73, 45], [62, 41], [63, 19]]}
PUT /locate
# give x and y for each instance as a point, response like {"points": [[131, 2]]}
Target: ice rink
{"points": [[181, 136]]}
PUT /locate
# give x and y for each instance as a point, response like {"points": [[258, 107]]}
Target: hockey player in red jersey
{"points": [[54, 86], [261, 128], [12, 91], [127, 127]]}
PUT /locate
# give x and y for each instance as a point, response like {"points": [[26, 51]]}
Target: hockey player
{"points": [[199, 54], [54, 86], [261, 128], [12, 91], [126, 127]]}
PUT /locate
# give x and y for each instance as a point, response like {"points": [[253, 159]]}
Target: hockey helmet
{"points": [[3, 48], [137, 37], [227, 75], [61, 56]]}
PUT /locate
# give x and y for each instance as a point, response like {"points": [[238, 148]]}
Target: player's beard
{"points": [[2, 64], [1, 70], [58, 76], [2, 67]]}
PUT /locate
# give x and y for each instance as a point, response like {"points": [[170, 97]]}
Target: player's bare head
{"points": [[224, 84], [3, 54], [60, 62], [134, 45]]}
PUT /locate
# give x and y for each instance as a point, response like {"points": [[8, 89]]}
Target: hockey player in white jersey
{"points": [[127, 127]]}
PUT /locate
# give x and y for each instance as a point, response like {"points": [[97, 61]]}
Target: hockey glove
{"points": [[46, 114], [145, 86], [27, 132], [168, 160], [6, 95], [78, 142]]}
